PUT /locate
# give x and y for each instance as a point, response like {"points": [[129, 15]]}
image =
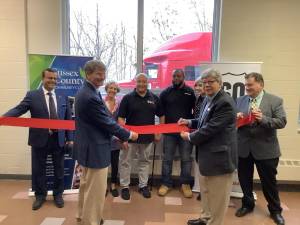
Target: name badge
{"points": [[150, 102]]}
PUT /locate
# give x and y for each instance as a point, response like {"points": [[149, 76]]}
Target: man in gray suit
{"points": [[258, 144], [215, 139]]}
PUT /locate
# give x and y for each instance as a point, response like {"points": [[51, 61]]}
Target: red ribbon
{"points": [[158, 129], [70, 125], [245, 121], [38, 123]]}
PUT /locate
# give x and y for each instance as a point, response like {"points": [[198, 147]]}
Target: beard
{"points": [[177, 85]]}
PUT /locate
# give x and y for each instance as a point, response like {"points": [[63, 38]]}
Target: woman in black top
{"points": [[112, 104], [200, 95]]}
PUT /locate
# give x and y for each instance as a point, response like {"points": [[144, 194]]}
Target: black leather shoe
{"points": [[242, 211], [199, 197], [58, 201], [196, 222], [114, 192], [278, 219], [145, 192], [125, 194], [39, 201]]}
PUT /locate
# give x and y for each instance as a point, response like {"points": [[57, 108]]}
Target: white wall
{"points": [[269, 31], [40, 19], [44, 26]]}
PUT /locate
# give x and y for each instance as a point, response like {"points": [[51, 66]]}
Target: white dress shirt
{"points": [[47, 99]]}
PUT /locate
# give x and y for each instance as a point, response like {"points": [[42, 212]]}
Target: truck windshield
{"points": [[191, 72], [151, 70]]}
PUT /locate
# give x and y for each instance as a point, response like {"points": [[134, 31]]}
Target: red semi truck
{"points": [[181, 52]]}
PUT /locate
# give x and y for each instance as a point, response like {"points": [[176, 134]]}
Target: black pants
{"points": [[39, 156], [114, 165], [267, 171]]}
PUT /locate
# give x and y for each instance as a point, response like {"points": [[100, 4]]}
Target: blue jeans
{"points": [[170, 144]]}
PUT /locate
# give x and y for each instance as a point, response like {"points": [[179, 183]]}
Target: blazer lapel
{"points": [[59, 106], [206, 113], [200, 118], [43, 101], [208, 110], [264, 103], [245, 106]]}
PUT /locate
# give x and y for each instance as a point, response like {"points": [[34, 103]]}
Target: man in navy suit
{"points": [[44, 103], [92, 146]]}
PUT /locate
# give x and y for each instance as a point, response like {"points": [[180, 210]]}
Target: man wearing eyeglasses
{"points": [[215, 139], [258, 144]]}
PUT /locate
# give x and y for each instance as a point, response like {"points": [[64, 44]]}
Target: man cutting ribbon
{"points": [[44, 103]]}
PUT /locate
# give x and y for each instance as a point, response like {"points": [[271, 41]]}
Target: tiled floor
{"points": [[15, 209]]}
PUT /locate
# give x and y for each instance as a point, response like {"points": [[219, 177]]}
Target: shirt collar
{"points": [[183, 86], [92, 85], [46, 91], [258, 97], [147, 93], [210, 98]]}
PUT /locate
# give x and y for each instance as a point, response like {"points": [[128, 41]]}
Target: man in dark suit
{"points": [[258, 144], [44, 103], [215, 139], [92, 146]]}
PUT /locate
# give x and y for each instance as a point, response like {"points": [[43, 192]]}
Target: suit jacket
{"points": [[94, 129], [260, 139], [215, 137], [35, 102]]}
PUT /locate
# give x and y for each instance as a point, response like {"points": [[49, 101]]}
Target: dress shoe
{"points": [[278, 219], [125, 194], [197, 222], [242, 211], [199, 197], [39, 201], [114, 192], [58, 201], [145, 192]]}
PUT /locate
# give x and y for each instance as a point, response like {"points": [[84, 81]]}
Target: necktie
{"points": [[253, 104], [52, 108], [52, 111]]}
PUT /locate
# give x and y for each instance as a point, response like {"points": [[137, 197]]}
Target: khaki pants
{"points": [[92, 191], [215, 196], [143, 151]]}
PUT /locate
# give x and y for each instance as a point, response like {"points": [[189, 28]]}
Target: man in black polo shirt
{"points": [[138, 108], [178, 101]]}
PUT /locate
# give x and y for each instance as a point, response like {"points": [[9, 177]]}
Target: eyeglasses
{"points": [[209, 82]]}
